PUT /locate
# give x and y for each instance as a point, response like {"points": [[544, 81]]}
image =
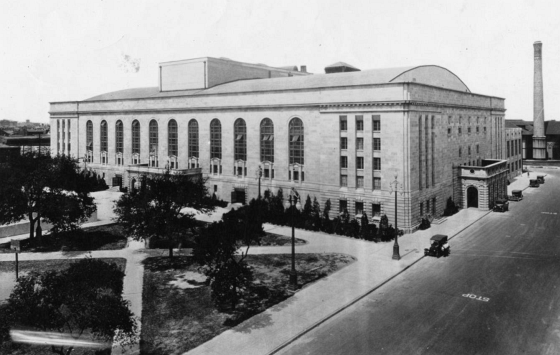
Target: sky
{"points": [[73, 50]]}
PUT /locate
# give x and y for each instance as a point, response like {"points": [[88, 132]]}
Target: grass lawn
{"points": [[106, 237], [175, 319], [8, 269]]}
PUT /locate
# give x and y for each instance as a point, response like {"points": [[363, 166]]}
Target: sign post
{"points": [[16, 247]]}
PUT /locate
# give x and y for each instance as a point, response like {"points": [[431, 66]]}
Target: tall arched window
{"points": [[153, 132], [89, 141], [215, 139], [267, 140], [296, 141], [119, 137], [89, 136], [153, 143], [193, 144], [135, 142], [103, 136], [172, 140], [240, 136]]}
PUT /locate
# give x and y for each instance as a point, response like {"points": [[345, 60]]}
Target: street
{"points": [[497, 293]]}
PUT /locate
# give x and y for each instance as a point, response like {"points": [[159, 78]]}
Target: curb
{"points": [[321, 321]]}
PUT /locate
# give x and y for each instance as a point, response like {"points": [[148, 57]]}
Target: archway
{"points": [[472, 197]]}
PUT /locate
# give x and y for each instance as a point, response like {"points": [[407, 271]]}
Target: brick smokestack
{"points": [[539, 139]]}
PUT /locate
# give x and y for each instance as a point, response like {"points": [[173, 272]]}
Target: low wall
{"points": [[22, 227]]}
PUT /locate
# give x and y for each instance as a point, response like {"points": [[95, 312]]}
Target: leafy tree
{"points": [[306, 215], [155, 209], [218, 248], [326, 223], [450, 208], [43, 187], [277, 208], [83, 300]]}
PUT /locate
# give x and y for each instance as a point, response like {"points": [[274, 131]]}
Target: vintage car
{"points": [[540, 179], [502, 205], [534, 183], [516, 195], [438, 247]]}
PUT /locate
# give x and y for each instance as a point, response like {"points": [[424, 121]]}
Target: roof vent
{"points": [[340, 67]]}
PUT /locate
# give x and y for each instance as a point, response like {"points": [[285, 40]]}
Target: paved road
{"points": [[510, 262]]}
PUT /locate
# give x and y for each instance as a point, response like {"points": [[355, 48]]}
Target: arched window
{"points": [[193, 139], [240, 139], [89, 136], [153, 132], [172, 145], [103, 136], [135, 137], [296, 141], [215, 139], [267, 140], [119, 136]]}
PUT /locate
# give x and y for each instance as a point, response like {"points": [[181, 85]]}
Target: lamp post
{"points": [[293, 201], [396, 252], [259, 175]]}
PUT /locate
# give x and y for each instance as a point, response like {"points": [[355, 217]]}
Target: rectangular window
{"points": [[296, 175], [428, 206], [421, 209], [469, 130], [375, 209], [359, 123], [343, 123], [359, 208], [433, 206], [342, 205], [449, 131], [376, 123], [376, 183], [376, 163], [359, 182], [343, 143], [376, 143], [359, 143], [477, 149], [477, 129], [459, 130], [359, 163], [469, 149], [343, 162], [484, 129], [344, 180], [448, 119]]}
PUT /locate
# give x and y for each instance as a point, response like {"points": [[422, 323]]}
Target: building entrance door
{"points": [[238, 196], [472, 197]]}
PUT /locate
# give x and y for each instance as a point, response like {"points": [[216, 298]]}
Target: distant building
{"points": [[552, 134], [344, 136], [514, 150]]}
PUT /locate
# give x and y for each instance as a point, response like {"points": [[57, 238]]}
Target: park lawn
{"points": [[8, 267], [176, 320], [105, 237]]}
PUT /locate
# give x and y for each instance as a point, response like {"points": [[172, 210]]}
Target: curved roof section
{"points": [[427, 74]]}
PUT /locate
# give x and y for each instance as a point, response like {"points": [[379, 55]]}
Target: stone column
{"points": [[539, 138]]}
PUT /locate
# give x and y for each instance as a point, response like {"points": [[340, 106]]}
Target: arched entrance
{"points": [[472, 197]]}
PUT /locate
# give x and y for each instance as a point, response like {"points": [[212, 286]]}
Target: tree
{"points": [[218, 249], [450, 208], [326, 223], [365, 226], [43, 187], [316, 213], [154, 211], [306, 214], [83, 300]]}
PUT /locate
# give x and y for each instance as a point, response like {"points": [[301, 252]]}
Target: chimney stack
{"points": [[303, 69], [539, 138]]}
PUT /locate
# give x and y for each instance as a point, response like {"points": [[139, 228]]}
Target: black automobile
{"points": [[540, 179], [439, 246], [502, 205], [516, 195], [534, 183]]}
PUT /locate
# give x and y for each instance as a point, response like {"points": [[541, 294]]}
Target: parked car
{"points": [[540, 179], [516, 195], [534, 183], [502, 205], [439, 246]]}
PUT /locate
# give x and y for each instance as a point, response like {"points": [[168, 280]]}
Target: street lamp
{"points": [[396, 252], [258, 174], [293, 201]]}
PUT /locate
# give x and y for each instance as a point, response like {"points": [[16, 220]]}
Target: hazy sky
{"points": [[73, 50]]}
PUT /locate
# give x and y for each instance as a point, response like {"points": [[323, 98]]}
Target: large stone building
{"points": [[342, 136]]}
